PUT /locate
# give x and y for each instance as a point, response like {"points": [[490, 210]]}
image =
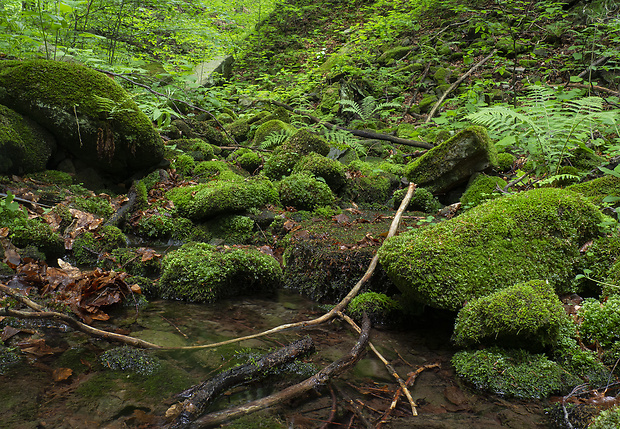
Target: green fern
{"points": [[344, 139], [546, 126], [369, 107], [275, 139]]}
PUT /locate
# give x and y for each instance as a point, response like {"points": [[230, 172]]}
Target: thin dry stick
{"points": [[338, 307], [21, 298], [389, 367], [455, 84]]}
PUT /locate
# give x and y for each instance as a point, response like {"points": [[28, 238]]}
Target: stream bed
{"points": [[36, 394]]}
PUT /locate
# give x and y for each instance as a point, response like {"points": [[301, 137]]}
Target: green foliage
{"points": [[513, 373], [10, 209], [380, 308], [482, 188], [32, 232], [369, 108], [331, 171], [130, 359], [89, 246], [528, 315], [304, 192], [422, 200], [547, 125], [608, 419], [96, 205], [280, 164], [600, 321]]}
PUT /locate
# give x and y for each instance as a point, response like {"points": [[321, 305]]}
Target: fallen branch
{"points": [[200, 396], [320, 378], [338, 307], [455, 84], [390, 368], [591, 87], [360, 133]]}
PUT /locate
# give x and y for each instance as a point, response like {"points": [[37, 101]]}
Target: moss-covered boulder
{"points": [[25, 147], [274, 126], [333, 172], [198, 149], [532, 235], [513, 373], [453, 161], [598, 189], [380, 308], [223, 197], [198, 272], [88, 247], [600, 321], [90, 116], [280, 164], [528, 315], [422, 200], [482, 188], [304, 192], [303, 142]]}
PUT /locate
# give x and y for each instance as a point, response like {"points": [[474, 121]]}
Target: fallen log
{"points": [[200, 396], [320, 378]]}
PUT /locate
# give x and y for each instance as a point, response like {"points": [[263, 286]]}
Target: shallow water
{"points": [[95, 397]]}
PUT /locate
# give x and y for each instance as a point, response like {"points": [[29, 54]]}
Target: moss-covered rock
{"points": [[303, 142], [198, 272], [421, 200], [234, 229], [600, 321], [25, 147], [89, 115], [130, 359], [223, 197], [271, 127], [304, 192], [482, 188], [184, 164], [380, 308], [608, 419], [52, 177], [534, 234], [513, 373], [453, 161], [598, 189], [210, 170], [32, 232], [505, 161], [90, 245], [246, 159], [333, 172], [198, 149], [280, 164], [528, 315]]}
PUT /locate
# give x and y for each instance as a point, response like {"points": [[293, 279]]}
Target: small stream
{"points": [[96, 397]]}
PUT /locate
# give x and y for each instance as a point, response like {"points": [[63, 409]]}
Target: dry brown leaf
{"points": [[61, 374], [9, 332]]}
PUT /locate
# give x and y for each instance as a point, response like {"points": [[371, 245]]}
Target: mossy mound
{"points": [[608, 419], [89, 245], [113, 135], [198, 272], [482, 188], [598, 189], [600, 321], [273, 126], [380, 308], [246, 159], [304, 192], [505, 161], [130, 359], [303, 142], [368, 184], [220, 170], [198, 149], [528, 315], [513, 373], [234, 229], [280, 164], [25, 147], [320, 166], [163, 226], [454, 161], [32, 232], [534, 234], [421, 200], [223, 197]]}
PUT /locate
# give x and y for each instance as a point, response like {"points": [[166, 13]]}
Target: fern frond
{"points": [[275, 139], [352, 107], [503, 120]]}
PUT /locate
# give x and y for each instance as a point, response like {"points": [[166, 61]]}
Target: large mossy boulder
{"points": [[303, 142], [527, 315], [531, 235], [454, 161], [198, 272], [208, 200], [304, 192], [25, 147], [90, 116]]}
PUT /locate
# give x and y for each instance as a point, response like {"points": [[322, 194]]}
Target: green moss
{"points": [[596, 190], [482, 188], [600, 321], [32, 232], [8, 358], [197, 148], [5, 270], [219, 197], [380, 308], [304, 192], [88, 246], [164, 226], [280, 164], [25, 147], [598, 261], [96, 205], [513, 373], [527, 315], [421, 200], [184, 164], [303, 142], [247, 159], [233, 229], [130, 260], [534, 234], [270, 127], [505, 161], [127, 358], [220, 170], [320, 166], [53, 177], [608, 419], [239, 129], [368, 184], [229, 272]]}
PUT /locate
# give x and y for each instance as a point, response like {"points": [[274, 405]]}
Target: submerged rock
{"points": [[453, 161], [531, 235]]}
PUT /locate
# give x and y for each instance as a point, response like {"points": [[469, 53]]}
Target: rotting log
{"points": [[200, 396]]}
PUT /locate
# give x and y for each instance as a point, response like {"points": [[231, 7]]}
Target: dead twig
{"points": [[457, 83]]}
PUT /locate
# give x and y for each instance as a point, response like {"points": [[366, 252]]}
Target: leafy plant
{"points": [[369, 107], [546, 125], [275, 139]]}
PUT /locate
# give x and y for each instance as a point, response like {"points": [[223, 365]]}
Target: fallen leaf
{"points": [[9, 332], [61, 374]]}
